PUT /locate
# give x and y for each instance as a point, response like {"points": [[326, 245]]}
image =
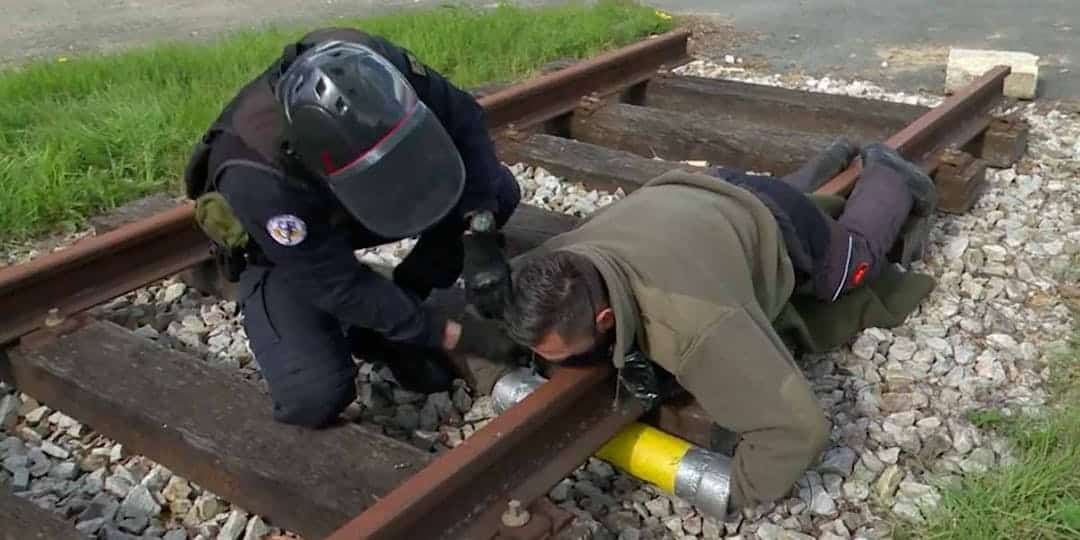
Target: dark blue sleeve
{"points": [[292, 228], [465, 121]]}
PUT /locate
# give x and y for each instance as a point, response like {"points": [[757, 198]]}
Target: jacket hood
{"points": [[627, 319]]}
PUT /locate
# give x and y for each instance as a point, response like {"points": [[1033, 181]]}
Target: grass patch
{"points": [[1039, 496], [85, 135], [992, 419]]}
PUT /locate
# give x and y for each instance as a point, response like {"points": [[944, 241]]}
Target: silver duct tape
{"points": [[514, 387], [704, 480]]}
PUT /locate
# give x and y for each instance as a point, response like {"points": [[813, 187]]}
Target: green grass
{"points": [[1036, 498], [82, 135]]}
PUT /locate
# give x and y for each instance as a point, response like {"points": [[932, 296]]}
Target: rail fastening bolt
{"points": [[53, 318], [515, 515]]}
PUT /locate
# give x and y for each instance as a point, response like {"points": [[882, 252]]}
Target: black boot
{"points": [[415, 368], [826, 165]]}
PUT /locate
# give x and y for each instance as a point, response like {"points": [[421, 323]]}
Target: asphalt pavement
{"points": [[903, 43], [853, 38]]}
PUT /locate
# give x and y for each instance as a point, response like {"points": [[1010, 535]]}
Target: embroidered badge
{"points": [[287, 229]]}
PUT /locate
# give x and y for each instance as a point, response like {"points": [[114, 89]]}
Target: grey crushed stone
{"points": [[176, 534], [256, 528], [234, 526], [102, 506], [134, 524], [119, 484], [66, 470], [90, 527], [39, 462]]}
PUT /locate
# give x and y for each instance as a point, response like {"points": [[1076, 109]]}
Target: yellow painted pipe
{"points": [[646, 453], [676, 466]]}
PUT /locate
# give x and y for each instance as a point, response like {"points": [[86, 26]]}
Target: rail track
{"points": [[600, 122]]}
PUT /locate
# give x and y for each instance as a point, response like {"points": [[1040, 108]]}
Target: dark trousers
{"points": [[833, 255], [306, 354]]}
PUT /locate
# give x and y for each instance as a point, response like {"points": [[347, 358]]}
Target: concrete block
{"points": [[966, 65]]}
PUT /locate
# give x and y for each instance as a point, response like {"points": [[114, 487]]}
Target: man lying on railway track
{"points": [[693, 273], [348, 141]]}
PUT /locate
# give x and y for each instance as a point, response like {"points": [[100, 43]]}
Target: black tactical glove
{"points": [[486, 270], [435, 262], [644, 380], [486, 339]]}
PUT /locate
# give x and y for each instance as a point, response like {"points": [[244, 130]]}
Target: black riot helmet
{"points": [[354, 121]]}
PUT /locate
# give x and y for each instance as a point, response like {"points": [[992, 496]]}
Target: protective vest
{"points": [[249, 133]]}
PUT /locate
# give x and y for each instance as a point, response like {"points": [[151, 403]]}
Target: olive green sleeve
{"points": [[744, 377]]}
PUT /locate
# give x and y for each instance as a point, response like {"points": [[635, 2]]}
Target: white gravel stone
{"points": [[54, 450], [140, 501], [902, 349], [823, 504], [907, 511], [865, 346], [975, 343], [173, 292], [207, 506], [234, 526], [37, 415], [956, 247], [119, 485], [889, 455], [770, 531], [482, 409], [256, 529], [659, 507]]}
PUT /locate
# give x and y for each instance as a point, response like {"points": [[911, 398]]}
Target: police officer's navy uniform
{"points": [[308, 303]]}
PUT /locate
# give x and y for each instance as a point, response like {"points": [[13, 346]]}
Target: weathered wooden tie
{"points": [[597, 167], [678, 136], [861, 119]]}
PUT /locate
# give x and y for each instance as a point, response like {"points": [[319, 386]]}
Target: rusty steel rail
{"points": [[529, 448], [98, 269], [954, 123], [520, 455], [558, 93]]}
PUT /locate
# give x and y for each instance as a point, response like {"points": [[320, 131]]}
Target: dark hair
{"points": [[552, 292]]}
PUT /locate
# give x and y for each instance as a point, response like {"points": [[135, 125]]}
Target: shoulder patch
{"points": [[287, 229], [415, 65]]}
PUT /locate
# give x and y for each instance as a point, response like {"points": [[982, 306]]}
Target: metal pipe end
{"points": [[513, 387], [704, 480]]}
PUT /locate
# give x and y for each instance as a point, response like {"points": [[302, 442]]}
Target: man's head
{"points": [[560, 307], [353, 120]]}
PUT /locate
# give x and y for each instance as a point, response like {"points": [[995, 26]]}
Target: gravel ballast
{"points": [[898, 398]]}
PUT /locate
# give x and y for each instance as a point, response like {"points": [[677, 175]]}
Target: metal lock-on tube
{"points": [[676, 466]]}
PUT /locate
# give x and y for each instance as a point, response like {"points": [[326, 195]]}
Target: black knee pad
{"points": [[314, 405]]}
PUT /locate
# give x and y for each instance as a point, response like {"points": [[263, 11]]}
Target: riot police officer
{"points": [[349, 141]]}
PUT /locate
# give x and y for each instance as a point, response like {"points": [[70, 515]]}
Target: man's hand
{"points": [[486, 271]]}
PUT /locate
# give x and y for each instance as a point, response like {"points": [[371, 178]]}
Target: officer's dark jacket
{"points": [[250, 173]]}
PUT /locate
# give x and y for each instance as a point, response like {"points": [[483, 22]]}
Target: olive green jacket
{"points": [[693, 264]]}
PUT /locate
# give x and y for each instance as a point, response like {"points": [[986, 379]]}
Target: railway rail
{"points": [[600, 122]]}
